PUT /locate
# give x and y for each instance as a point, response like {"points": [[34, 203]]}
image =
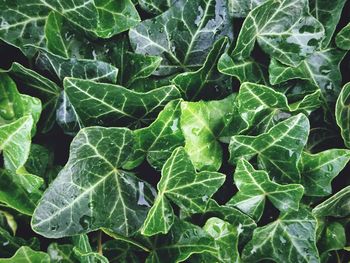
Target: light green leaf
{"points": [[71, 205], [284, 141], [318, 170], [183, 240], [202, 123], [332, 238], [343, 38], [328, 13], [284, 29], [342, 111], [255, 187], [291, 238], [321, 70], [157, 141], [206, 82], [19, 191], [177, 34], [241, 8], [61, 253], [15, 139], [77, 68], [83, 251], [246, 70], [182, 185], [112, 105], [336, 206], [156, 6], [41, 87], [27, 255]]}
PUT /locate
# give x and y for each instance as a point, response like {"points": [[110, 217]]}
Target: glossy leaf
{"points": [[83, 251], [61, 253], [343, 38], [206, 82], [90, 177], [318, 170], [328, 13], [282, 142], [337, 205], [202, 123], [157, 141], [182, 185], [177, 34], [255, 187], [332, 238], [241, 8], [27, 255], [321, 70], [342, 111], [291, 238], [112, 105], [284, 29], [156, 6]]}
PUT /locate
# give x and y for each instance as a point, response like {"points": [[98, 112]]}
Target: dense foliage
{"points": [[174, 130]]}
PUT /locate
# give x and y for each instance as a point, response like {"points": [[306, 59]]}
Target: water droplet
{"points": [[6, 243], [91, 205]]}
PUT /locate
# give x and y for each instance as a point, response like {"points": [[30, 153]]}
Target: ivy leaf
{"points": [[336, 206], [202, 123], [164, 131], [15, 139], [332, 238], [156, 6], [41, 87], [241, 8], [328, 13], [183, 240], [246, 70], [61, 253], [119, 251], [321, 70], [255, 186], [83, 251], [61, 67], [291, 238], [342, 111], [90, 177], [318, 170], [284, 29], [27, 255], [343, 38], [283, 141], [113, 105], [177, 34], [182, 185], [206, 82]]}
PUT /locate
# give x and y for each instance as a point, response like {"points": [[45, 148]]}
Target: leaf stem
{"points": [[99, 242]]}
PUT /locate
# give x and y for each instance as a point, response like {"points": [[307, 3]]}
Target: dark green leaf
{"points": [[27, 255], [343, 38]]}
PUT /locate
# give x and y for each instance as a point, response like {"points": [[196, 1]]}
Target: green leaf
{"points": [[343, 38], [284, 29], [206, 82], [19, 191], [225, 239], [328, 13], [77, 68], [41, 87], [61, 253], [27, 255], [112, 105], [156, 6], [202, 123], [246, 70], [182, 185], [22, 23], [39, 160], [177, 34], [284, 141], [83, 251], [101, 17], [119, 251], [336, 206], [241, 8], [157, 141], [71, 205], [15, 139], [291, 238], [318, 170], [255, 186], [332, 238], [183, 240], [321, 70], [342, 110]]}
